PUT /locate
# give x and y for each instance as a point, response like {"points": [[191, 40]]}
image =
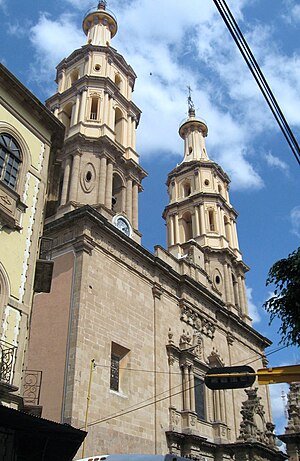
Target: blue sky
{"points": [[172, 45]]}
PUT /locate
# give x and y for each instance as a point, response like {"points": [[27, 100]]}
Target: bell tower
{"points": [[99, 163], [201, 222]]}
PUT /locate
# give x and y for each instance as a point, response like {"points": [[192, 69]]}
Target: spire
{"points": [[100, 25], [191, 106], [193, 131]]}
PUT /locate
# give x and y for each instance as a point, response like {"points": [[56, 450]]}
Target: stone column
{"points": [[63, 81], [234, 232], [241, 294], [82, 104], [102, 180], [76, 110], [74, 177], [186, 399], [129, 130], [73, 111], [108, 188], [192, 390], [219, 218], [105, 109], [171, 230], [230, 285], [202, 219], [133, 134], [129, 199], [176, 228], [55, 109], [135, 198], [217, 405], [197, 227], [194, 232], [222, 223], [123, 200], [67, 170], [245, 296]]}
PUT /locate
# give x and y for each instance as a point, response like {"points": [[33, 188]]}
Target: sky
{"points": [[173, 45]]}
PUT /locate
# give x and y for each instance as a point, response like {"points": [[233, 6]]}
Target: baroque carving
{"points": [[253, 427], [197, 321]]}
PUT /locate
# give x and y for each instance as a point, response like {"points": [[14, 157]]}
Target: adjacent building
{"points": [[29, 139], [141, 328]]}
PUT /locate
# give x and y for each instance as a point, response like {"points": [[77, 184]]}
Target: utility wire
{"points": [[258, 75], [145, 405], [179, 373]]}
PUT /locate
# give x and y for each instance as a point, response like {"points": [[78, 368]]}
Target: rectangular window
{"points": [[114, 372], [94, 109], [118, 362], [199, 398]]}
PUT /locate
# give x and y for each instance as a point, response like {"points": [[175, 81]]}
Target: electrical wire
{"points": [[258, 75], [145, 405]]}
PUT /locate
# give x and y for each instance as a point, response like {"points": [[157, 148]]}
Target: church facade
{"points": [[125, 337]]}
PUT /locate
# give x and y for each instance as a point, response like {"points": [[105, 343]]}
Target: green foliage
{"points": [[285, 304]]}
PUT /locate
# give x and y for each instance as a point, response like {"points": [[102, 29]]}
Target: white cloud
{"points": [[184, 46], [17, 30], [275, 162], [295, 220], [52, 40], [292, 14], [253, 311]]}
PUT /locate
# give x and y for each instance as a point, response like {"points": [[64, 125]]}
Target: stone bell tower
{"points": [[200, 219], [99, 165]]}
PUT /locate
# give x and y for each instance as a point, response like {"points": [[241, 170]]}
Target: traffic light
{"points": [[230, 377]]}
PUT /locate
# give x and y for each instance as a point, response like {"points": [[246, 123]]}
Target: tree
{"points": [[285, 303]]}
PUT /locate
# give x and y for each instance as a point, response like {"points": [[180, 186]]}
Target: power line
{"points": [[258, 75], [141, 405]]}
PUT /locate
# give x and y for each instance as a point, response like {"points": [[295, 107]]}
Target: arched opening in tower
{"points": [[118, 81], [66, 116], [118, 126], [117, 194], [74, 76], [187, 226]]}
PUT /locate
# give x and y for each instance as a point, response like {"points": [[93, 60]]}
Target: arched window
{"points": [[186, 189], [118, 125], [211, 219], [74, 76], [10, 160], [118, 81], [118, 194], [94, 108], [66, 116], [187, 226]]}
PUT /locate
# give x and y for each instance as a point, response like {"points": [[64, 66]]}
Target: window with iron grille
{"points": [[118, 362], [114, 372], [10, 159]]}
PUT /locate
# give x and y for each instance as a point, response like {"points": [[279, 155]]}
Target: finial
{"points": [[102, 5], [190, 103]]}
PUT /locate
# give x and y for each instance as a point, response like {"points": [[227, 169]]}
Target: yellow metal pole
{"points": [[88, 402]]}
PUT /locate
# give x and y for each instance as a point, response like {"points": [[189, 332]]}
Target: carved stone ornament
{"points": [[294, 409], [253, 427], [197, 321]]}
